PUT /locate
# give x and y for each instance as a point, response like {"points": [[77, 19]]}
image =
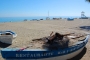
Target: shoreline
{"points": [[21, 19]]}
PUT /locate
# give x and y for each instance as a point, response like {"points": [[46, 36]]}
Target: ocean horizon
{"points": [[19, 19]]}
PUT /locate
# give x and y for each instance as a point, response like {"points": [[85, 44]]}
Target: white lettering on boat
{"points": [[34, 55], [50, 53]]}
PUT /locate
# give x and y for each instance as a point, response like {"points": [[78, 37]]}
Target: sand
{"points": [[28, 30]]}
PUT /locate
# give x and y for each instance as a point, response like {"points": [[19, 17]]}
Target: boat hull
{"points": [[64, 57], [6, 39], [63, 54]]}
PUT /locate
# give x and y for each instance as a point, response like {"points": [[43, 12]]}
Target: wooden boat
{"points": [[7, 36], [45, 54]]}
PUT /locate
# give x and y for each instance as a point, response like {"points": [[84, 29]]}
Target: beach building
{"points": [[83, 15]]}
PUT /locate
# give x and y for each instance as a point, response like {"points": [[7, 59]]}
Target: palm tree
{"points": [[88, 0]]}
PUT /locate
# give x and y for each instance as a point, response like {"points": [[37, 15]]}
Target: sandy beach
{"points": [[28, 30]]}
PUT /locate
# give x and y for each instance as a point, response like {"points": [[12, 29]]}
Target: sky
{"points": [[27, 8]]}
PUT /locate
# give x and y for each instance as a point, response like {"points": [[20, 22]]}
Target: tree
{"points": [[88, 0]]}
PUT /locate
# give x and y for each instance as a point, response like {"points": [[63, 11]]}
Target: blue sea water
{"points": [[19, 19]]}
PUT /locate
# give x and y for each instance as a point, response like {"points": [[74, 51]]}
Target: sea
{"points": [[19, 19]]}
